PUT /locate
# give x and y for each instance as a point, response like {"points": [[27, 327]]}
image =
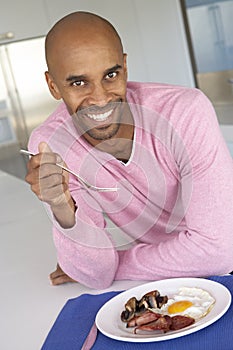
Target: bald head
{"points": [[75, 29]]}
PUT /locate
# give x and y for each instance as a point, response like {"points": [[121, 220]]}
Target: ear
{"points": [[125, 65], [52, 86]]}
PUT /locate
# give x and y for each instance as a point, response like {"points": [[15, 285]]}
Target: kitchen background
{"points": [[187, 42]]}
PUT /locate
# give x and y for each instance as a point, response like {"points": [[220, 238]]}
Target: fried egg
{"points": [[188, 301]]}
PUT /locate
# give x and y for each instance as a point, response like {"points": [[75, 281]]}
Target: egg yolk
{"points": [[179, 306]]}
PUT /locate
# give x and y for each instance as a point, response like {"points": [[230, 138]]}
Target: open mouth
{"points": [[101, 117]]}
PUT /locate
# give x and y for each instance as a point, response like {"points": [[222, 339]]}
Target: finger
{"points": [[44, 148], [61, 280], [45, 156], [42, 158], [53, 196], [50, 187], [58, 272], [51, 170], [35, 175], [59, 276]]}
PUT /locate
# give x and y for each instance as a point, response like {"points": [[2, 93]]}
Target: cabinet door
{"points": [[22, 19]]}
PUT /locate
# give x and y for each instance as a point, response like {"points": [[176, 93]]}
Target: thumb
{"points": [[44, 148]]}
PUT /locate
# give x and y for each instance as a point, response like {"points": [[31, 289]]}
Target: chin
{"points": [[105, 134]]}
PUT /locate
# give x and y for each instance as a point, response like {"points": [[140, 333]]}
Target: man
{"points": [[158, 145]]}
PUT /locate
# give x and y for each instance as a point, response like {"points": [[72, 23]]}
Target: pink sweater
{"points": [[175, 197]]}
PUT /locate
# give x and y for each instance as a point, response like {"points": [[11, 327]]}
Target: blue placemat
{"points": [[77, 316]]}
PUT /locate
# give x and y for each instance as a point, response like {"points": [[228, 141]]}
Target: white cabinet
{"points": [[22, 20]]}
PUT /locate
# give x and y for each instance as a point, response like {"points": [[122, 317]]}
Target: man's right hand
{"points": [[50, 183]]}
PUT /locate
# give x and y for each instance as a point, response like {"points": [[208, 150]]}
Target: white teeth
{"points": [[100, 117]]}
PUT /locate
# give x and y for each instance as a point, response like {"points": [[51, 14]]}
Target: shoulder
{"points": [[177, 104], [178, 113], [159, 96]]}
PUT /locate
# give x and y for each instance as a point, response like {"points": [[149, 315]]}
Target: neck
{"points": [[119, 146]]}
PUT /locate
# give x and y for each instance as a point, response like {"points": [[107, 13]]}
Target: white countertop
{"points": [[29, 304]]}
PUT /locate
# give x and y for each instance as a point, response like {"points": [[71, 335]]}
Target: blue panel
{"points": [[192, 3]]}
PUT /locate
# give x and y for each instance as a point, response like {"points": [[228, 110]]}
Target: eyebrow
{"points": [[114, 68], [71, 78]]}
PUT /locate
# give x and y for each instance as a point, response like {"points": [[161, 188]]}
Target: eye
{"points": [[111, 75], [78, 83]]}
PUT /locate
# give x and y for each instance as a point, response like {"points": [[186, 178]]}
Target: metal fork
{"points": [[84, 182]]}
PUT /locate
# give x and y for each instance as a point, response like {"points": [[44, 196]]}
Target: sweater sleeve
{"points": [[204, 245], [86, 252]]}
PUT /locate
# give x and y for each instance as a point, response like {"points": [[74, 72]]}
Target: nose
{"points": [[99, 95]]}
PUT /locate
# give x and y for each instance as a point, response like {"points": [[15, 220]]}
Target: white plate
{"points": [[108, 319]]}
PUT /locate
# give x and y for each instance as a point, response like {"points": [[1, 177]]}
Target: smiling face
{"points": [[87, 69]]}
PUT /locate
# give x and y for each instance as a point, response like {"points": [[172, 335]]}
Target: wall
{"points": [[152, 32]]}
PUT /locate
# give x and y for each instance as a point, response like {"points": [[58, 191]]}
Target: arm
{"points": [[85, 251], [203, 245]]}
